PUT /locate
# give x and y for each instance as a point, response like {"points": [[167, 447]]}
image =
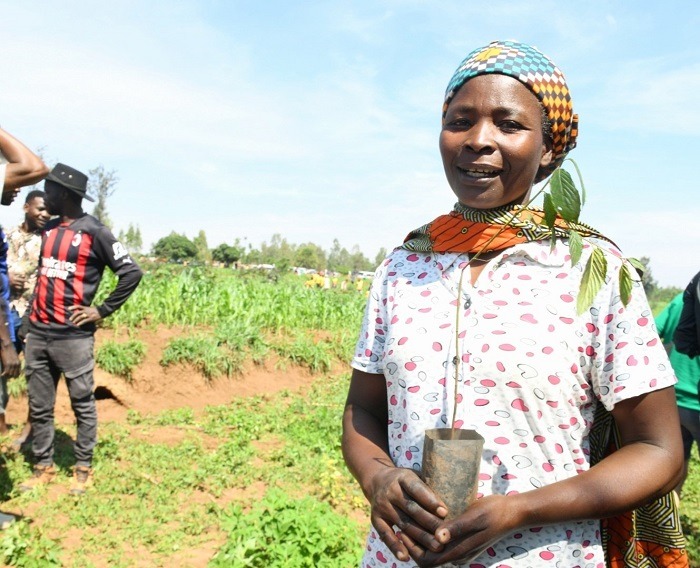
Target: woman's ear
{"points": [[545, 161], [547, 154]]}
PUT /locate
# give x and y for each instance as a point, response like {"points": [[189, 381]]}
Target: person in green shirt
{"points": [[688, 373]]}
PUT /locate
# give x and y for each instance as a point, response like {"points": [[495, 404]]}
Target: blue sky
{"points": [[319, 120]]}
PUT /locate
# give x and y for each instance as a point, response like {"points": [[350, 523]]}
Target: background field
{"points": [[220, 397]]}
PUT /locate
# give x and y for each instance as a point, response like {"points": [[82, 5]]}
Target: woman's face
{"points": [[492, 143]]}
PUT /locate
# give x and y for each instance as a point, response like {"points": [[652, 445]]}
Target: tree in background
{"points": [[132, 239], [310, 255], [650, 285], [175, 247], [279, 252], [339, 258], [227, 254], [658, 296], [200, 243], [381, 255], [101, 185], [358, 261]]}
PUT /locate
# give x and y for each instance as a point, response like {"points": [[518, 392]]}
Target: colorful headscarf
{"points": [[539, 74]]}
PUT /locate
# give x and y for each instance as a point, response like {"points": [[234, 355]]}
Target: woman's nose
{"points": [[479, 137]]}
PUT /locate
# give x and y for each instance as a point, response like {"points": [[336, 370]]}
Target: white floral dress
{"points": [[531, 373]]}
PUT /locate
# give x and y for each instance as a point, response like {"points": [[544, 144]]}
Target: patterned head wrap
{"points": [[539, 74]]}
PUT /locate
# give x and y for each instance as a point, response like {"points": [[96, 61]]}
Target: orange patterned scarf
{"points": [[484, 230]]}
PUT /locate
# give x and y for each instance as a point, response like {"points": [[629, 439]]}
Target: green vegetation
{"points": [[314, 535], [214, 297], [154, 502], [205, 354], [120, 359], [238, 316], [690, 510]]}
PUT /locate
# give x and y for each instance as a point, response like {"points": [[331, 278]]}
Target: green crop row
{"points": [[212, 296]]}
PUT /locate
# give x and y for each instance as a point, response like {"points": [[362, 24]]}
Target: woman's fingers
{"points": [[418, 524], [389, 538], [403, 503], [417, 490]]}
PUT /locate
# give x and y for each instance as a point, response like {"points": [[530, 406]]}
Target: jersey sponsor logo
{"points": [[76, 240], [119, 250], [53, 268]]}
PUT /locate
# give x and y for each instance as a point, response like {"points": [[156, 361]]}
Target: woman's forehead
{"points": [[496, 90]]}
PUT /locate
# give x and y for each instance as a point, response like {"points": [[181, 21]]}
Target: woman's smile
{"points": [[492, 143]]}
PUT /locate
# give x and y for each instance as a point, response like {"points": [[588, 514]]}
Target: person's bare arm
{"points": [[8, 355], [397, 496], [24, 167], [648, 465]]}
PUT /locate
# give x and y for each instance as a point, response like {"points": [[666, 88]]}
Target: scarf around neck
{"points": [[467, 230]]}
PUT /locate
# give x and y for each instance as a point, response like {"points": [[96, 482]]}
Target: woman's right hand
{"points": [[399, 498]]}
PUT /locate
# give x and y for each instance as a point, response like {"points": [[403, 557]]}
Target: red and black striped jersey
{"points": [[73, 258]]}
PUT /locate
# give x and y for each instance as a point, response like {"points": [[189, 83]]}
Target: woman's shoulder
{"points": [[403, 260]]}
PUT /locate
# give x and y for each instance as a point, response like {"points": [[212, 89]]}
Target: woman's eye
{"points": [[459, 123], [511, 125]]}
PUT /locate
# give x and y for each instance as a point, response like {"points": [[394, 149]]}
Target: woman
{"points": [[481, 295]]}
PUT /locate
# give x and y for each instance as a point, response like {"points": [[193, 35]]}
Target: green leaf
{"points": [[575, 246], [625, 284], [565, 196], [641, 269], [550, 213], [592, 281], [580, 179]]}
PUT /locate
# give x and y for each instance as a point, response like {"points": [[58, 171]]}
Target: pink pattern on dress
{"points": [[532, 372]]}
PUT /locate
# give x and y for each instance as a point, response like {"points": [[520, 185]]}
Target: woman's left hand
{"points": [[465, 537]]}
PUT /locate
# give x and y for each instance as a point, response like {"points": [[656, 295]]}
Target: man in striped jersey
{"points": [[75, 249]]}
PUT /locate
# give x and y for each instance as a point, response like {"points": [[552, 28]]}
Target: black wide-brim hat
{"points": [[70, 178]]}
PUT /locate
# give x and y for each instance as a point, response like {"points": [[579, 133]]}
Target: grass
{"points": [[120, 359], [160, 502], [690, 509], [205, 354], [215, 297], [237, 317]]}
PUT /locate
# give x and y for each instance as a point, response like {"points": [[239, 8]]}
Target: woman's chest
{"points": [[518, 324]]}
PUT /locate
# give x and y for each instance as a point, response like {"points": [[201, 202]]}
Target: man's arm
{"points": [[24, 167], [128, 272]]}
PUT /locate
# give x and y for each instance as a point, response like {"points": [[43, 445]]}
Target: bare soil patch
{"points": [[155, 388]]}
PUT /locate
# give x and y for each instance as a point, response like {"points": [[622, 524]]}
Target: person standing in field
{"points": [[473, 323], [688, 374], [75, 249], [687, 336], [19, 167], [24, 243]]}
